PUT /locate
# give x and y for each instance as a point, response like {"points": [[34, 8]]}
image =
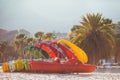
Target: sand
{"points": [[80, 76], [99, 74]]}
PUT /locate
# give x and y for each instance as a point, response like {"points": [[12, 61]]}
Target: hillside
{"points": [[9, 35]]}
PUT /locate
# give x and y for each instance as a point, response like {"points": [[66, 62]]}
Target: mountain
{"points": [[23, 31], [9, 35], [2, 31]]}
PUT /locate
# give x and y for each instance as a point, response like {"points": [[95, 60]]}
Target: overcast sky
{"points": [[53, 15]]}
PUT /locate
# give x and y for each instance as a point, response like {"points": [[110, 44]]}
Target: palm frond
{"points": [[95, 35]]}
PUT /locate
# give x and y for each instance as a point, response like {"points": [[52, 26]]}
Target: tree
{"points": [[74, 31], [29, 41], [3, 45], [117, 48], [117, 51], [49, 36], [96, 36], [39, 35], [107, 21], [20, 43], [3, 49], [7, 51]]}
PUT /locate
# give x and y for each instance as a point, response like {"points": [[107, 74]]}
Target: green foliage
{"points": [[29, 40], [38, 34], [49, 36], [95, 35], [7, 51], [20, 36]]}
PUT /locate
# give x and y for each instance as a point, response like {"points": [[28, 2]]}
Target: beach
{"points": [[99, 74]]}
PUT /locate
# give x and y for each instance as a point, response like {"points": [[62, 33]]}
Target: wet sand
{"points": [[99, 74]]}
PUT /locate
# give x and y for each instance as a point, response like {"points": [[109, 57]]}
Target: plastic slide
{"points": [[68, 52], [81, 55], [26, 65], [52, 49], [57, 51], [18, 65], [41, 51], [46, 48], [5, 67]]}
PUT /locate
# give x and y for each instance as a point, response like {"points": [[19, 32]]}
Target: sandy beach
{"points": [[99, 74], [80, 76]]}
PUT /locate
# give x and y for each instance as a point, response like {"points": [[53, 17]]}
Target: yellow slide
{"points": [[81, 55]]}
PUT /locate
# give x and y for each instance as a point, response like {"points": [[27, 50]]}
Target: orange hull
{"points": [[56, 67]]}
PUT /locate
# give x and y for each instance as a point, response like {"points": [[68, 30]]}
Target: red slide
{"points": [[68, 52], [45, 47]]}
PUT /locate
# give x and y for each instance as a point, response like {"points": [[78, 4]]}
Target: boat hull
{"points": [[56, 67]]}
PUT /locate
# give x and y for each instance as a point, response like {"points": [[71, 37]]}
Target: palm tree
{"points": [[117, 48], [19, 43], [96, 36], [117, 51], [74, 31], [6, 51], [1, 56], [39, 35], [3, 45], [29, 41], [49, 36]]}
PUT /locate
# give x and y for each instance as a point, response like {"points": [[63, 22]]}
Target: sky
{"points": [[53, 15]]}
